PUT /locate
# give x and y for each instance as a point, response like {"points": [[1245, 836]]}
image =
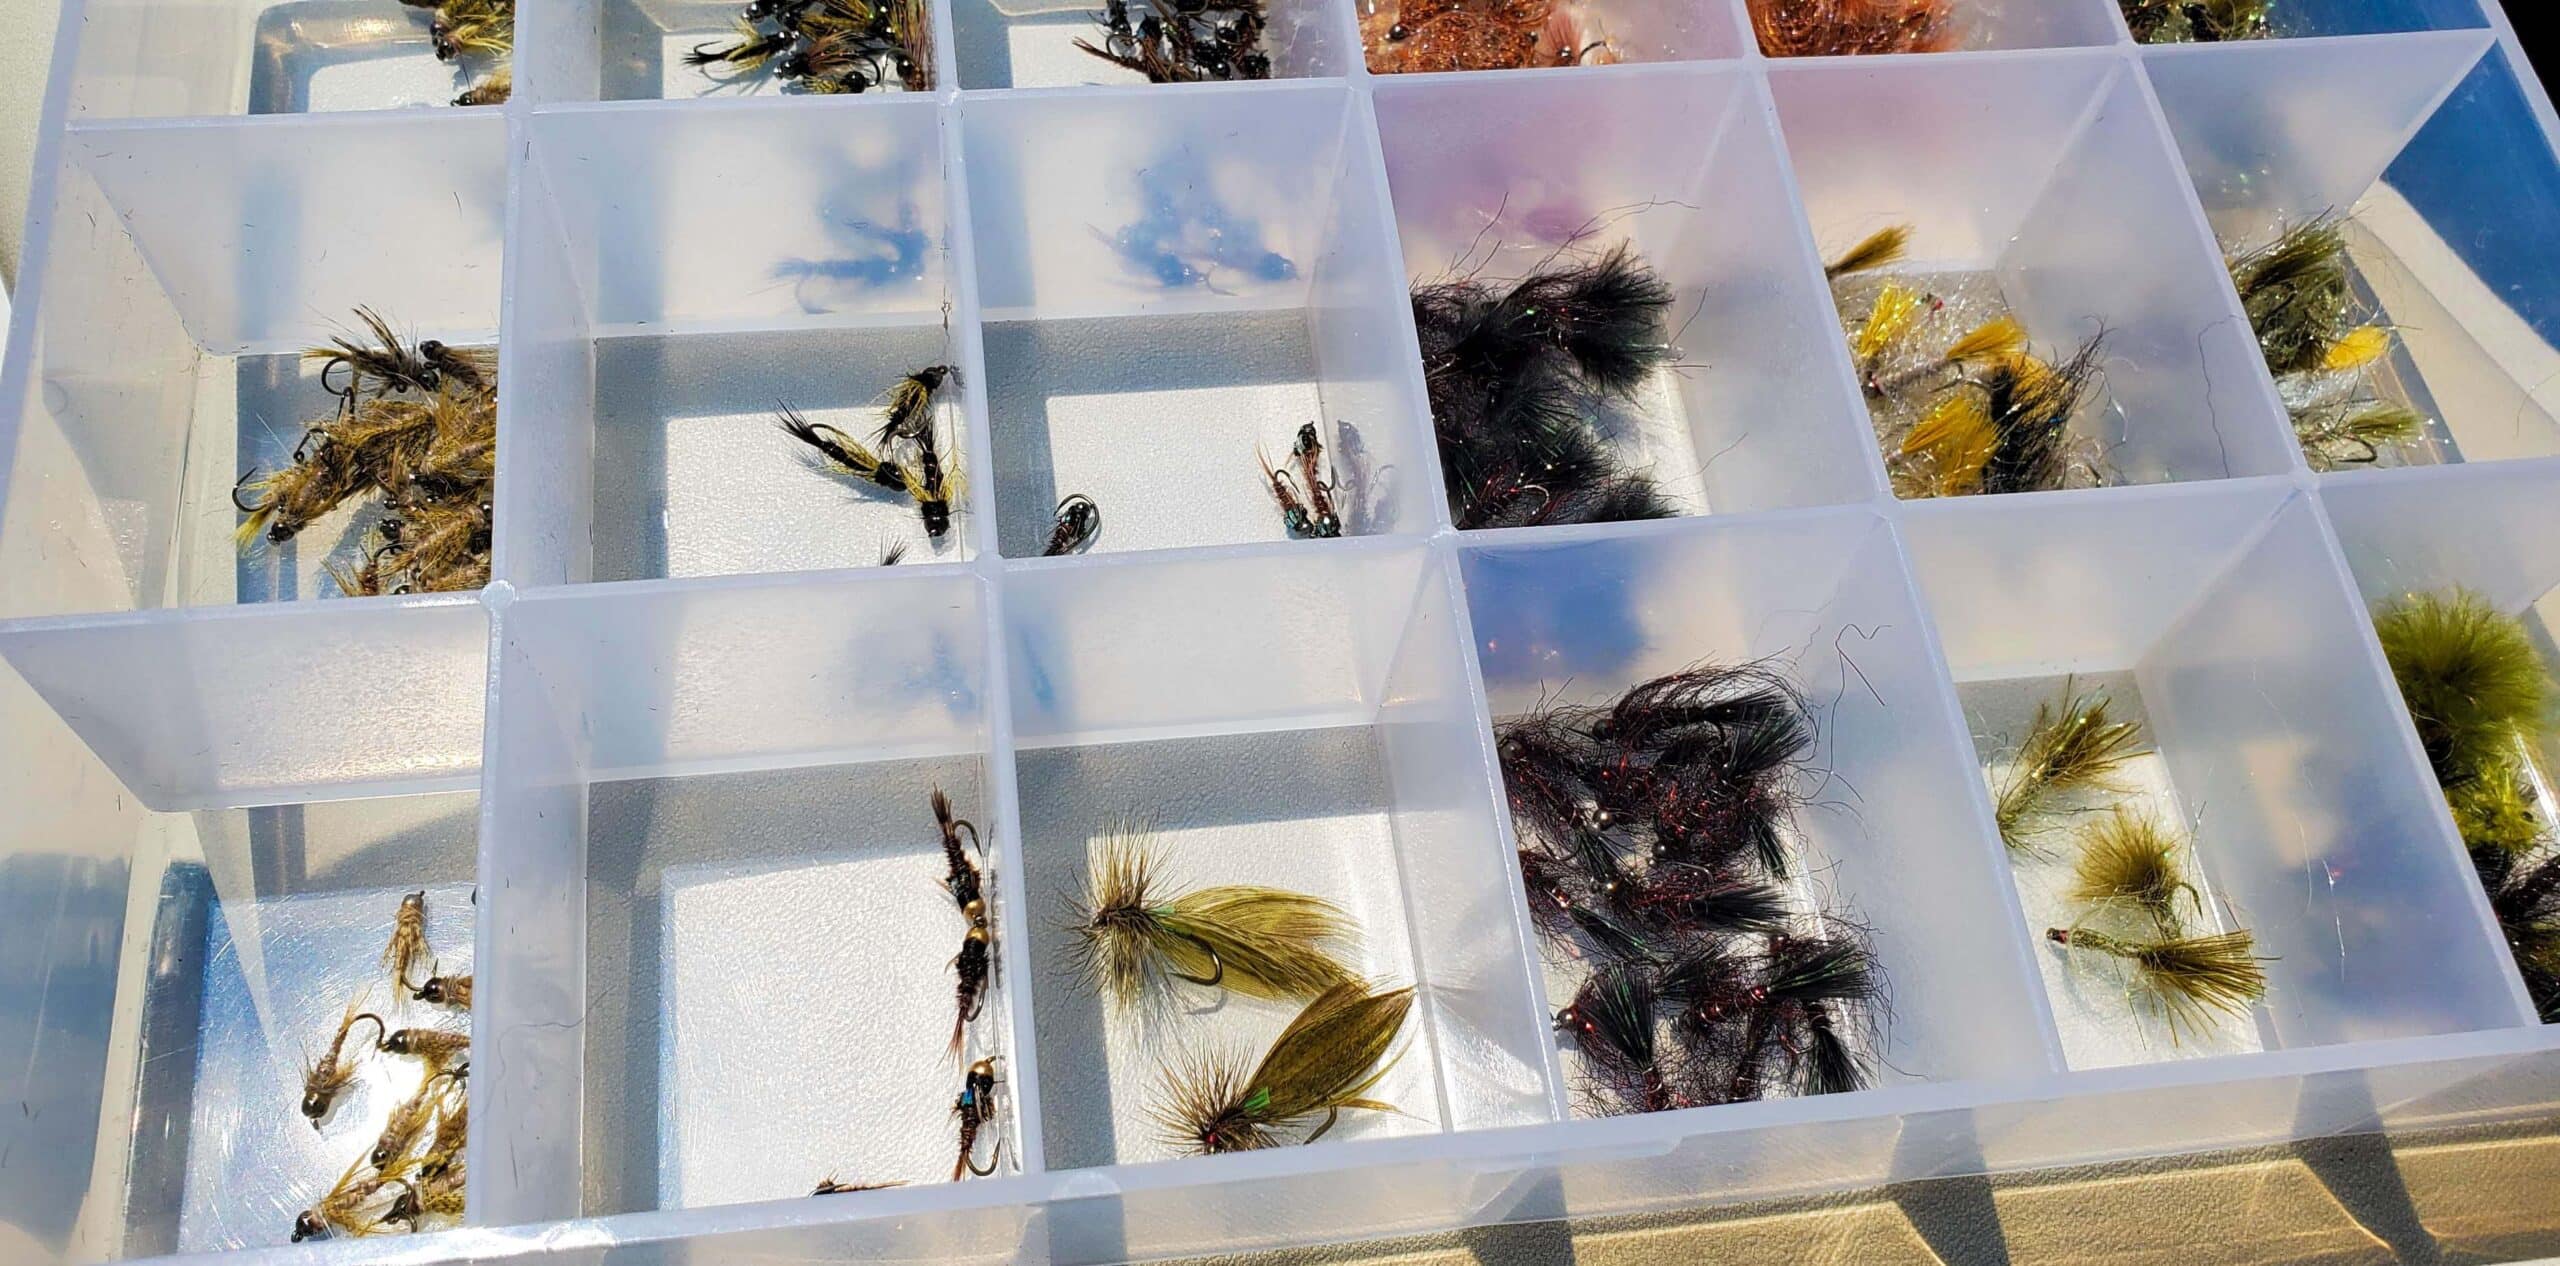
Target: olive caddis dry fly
{"points": [[2186, 978], [2074, 745], [1323, 1064], [2129, 859], [1132, 931]]}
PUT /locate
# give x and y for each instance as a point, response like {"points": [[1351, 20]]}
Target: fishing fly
{"points": [[973, 965], [1843, 28], [444, 991], [1513, 374], [346, 1206], [1134, 931], [408, 937], [2129, 859], [440, 1050], [1323, 1064], [2186, 978], [975, 1110], [325, 1078], [1183, 41], [409, 1121], [1073, 526], [964, 881], [2075, 744]]}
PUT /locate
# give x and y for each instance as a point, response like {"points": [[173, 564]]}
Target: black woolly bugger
{"points": [[1513, 374], [1654, 838]]}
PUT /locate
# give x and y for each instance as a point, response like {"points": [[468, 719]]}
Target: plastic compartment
{"points": [[2077, 214], [618, 50], [706, 721], [194, 264], [788, 258], [2391, 133], [264, 924], [2300, 19], [1982, 24], [2313, 824], [699, 777], [2422, 531], [1032, 43], [1165, 290], [1494, 177], [1633, 31], [163, 58], [1345, 766], [2103, 1018], [206, 900], [1822, 597]]}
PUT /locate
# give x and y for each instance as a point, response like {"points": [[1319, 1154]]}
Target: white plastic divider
{"points": [[690, 767], [684, 274], [1495, 177], [1167, 291], [2079, 214], [2496, 533], [2342, 110], [192, 263], [217, 709], [2313, 821], [1884, 839], [2356, 128]]}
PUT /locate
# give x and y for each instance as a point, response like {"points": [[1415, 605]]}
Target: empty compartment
{"points": [[186, 952], [723, 860], [622, 50], [2423, 540], [1873, 846], [1032, 43], [193, 711], [2216, 617], [1816, 28], [2073, 222], [1422, 36], [1169, 293], [168, 58], [2429, 159], [188, 268], [1340, 763], [1498, 180], [2155, 22], [688, 276]]}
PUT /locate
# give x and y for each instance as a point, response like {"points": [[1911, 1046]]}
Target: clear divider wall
{"points": [[669, 773]]}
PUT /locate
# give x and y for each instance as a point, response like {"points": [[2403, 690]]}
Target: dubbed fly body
{"points": [[975, 1109]]}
